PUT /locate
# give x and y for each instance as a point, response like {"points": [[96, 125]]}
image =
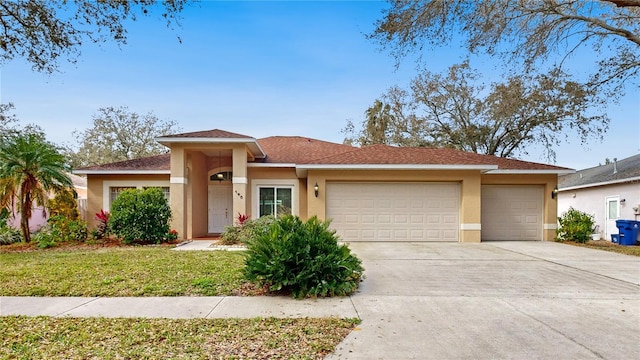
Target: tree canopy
{"points": [[503, 119], [529, 33], [117, 135], [43, 31]]}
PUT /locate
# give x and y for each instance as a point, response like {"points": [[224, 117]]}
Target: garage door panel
{"points": [[512, 212], [400, 211]]}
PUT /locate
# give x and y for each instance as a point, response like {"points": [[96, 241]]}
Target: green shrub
{"points": [[64, 204], [140, 216], [61, 229], [575, 225], [246, 230], [9, 235], [4, 217], [304, 259]]}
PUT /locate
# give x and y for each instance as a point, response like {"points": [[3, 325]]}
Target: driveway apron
{"points": [[498, 300]]}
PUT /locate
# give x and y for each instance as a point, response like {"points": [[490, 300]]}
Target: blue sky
{"points": [[256, 68]]}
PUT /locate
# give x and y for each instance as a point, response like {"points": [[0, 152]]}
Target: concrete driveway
{"points": [[500, 300]]}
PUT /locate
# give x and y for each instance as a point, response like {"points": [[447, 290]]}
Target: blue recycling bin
{"points": [[628, 230]]}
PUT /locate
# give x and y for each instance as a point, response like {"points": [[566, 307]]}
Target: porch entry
{"points": [[220, 207], [612, 213]]}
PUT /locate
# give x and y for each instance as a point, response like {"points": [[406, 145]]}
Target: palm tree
{"points": [[30, 169]]}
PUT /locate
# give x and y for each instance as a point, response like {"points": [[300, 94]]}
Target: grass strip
{"points": [[136, 338], [608, 246], [134, 271]]}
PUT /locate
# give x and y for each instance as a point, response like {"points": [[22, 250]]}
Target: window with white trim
{"points": [[112, 188], [275, 200], [114, 191], [165, 190]]}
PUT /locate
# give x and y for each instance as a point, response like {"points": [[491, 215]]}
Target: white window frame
{"points": [[138, 184], [279, 183]]}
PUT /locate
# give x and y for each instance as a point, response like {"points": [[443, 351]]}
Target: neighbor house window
{"points": [[274, 200]]}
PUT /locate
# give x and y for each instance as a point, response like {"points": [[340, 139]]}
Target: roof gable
{"points": [[209, 134]]}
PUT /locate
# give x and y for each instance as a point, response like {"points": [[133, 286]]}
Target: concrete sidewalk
{"points": [[178, 307]]}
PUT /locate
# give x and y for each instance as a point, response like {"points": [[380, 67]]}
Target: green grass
{"points": [[102, 338], [609, 246], [132, 271]]}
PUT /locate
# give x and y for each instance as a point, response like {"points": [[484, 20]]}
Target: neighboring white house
{"points": [[609, 192]]}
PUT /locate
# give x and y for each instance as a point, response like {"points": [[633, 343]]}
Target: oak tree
{"points": [[118, 134], [534, 34], [43, 32], [456, 110]]}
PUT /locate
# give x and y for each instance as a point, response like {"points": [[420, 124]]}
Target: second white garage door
{"points": [[511, 212], [394, 211]]}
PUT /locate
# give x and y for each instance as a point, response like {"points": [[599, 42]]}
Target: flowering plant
{"points": [[242, 218], [103, 224]]}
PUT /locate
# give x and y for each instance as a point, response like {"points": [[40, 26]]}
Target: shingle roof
{"points": [[78, 181], [157, 163], [626, 169], [384, 154], [214, 133], [301, 150], [298, 150]]}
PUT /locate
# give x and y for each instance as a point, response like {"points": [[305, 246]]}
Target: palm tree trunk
{"points": [[24, 226], [25, 212]]}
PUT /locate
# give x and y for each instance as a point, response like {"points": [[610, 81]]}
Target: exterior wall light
{"points": [[315, 189], [554, 192]]}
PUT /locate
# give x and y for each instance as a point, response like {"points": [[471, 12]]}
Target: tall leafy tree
{"points": [[43, 32], [118, 134], [375, 128], [30, 169], [528, 33], [503, 119]]}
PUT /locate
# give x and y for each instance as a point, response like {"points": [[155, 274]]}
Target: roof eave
{"points": [[532, 171], [253, 145], [602, 183], [395, 167], [122, 172], [271, 165]]}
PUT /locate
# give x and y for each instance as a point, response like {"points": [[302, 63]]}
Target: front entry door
{"points": [[612, 213], [220, 208]]}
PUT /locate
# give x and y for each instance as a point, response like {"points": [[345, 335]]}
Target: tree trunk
{"points": [[24, 226]]}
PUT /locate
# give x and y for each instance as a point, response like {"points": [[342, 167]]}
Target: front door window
{"points": [[275, 201]]}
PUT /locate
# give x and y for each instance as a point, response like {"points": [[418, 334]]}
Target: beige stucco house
{"points": [[375, 193]]}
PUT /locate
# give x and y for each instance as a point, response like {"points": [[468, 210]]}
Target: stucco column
{"points": [[239, 181], [178, 191], [550, 217], [470, 205], [316, 205]]}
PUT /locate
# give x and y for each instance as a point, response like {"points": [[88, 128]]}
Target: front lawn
{"points": [[129, 271], [102, 338]]}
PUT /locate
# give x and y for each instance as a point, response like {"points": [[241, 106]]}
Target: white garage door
{"points": [[394, 211], [512, 212]]}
